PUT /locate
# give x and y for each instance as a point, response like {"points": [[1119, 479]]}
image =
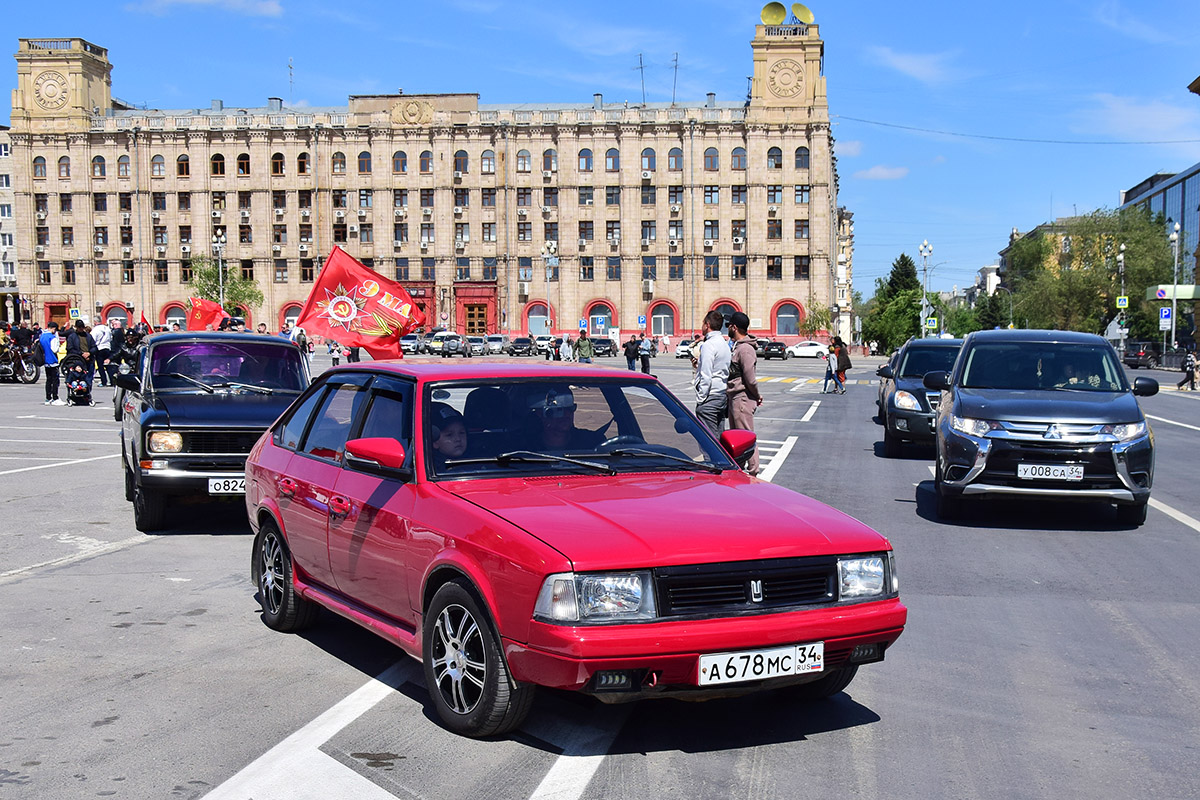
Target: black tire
{"points": [[130, 482], [271, 569], [1132, 514], [1152, 363], [892, 446], [836, 681], [29, 372], [465, 673], [948, 506], [149, 509]]}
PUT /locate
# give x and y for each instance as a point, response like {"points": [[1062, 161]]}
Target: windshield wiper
{"points": [[250, 386], [532, 457], [190, 379], [637, 452]]}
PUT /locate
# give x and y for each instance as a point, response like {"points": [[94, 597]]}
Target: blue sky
{"points": [[1092, 74]]}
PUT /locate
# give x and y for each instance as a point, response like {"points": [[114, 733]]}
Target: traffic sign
{"points": [[583, 324], [931, 323], [74, 313], [1164, 324], [1123, 301], [1161, 294], [1164, 314], [642, 320]]}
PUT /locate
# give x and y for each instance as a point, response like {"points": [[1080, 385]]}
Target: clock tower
{"points": [[788, 70], [61, 83]]}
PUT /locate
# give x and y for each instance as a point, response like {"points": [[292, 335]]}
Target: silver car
{"points": [[497, 344]]}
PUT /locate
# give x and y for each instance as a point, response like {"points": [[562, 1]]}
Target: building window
{"points": [[774, 158], [426, 162], [401, 269], [339, 233], [160, 272], [675, 229], [524, 196], [399, 162], [675, 268], [160, 235], [400, 232], [100, 202], [399, 198], [281, 270], [774, 268], [243, 164], [787, 320], [487, 162], [801, 229], [277, 164], [158, 201], [489, 268], [68, 272], [98, 167], [41, 204], [613, 271], [712, 195], [648, 159], [460, 161], [66, 202], [550, 161], [183, 167], [279, 234], [801, 267], [712, 160], [587, 268], [739, 268], [585, 161], [427, 196], [39, 167], [802, 194], [487, 197], [712, 268], [612, 230], [462, 269], [64, 167], [185, 271], [524, 161], [649, 268], [428, 269], [675, 160], [524, 268], [712, 229], [68, 237], [586, 194], [774, 195], [737, 228], [774, 229], [247, 269], [550, 231], [801, 158], [427, 232], [307, 273], [737, 195], [524, 231], [612, 195], [44, 273], [218, 201], [185, 234], [649, 195], [278, 199], [102, 273], [366, 198], [184, 201], [126, 235], [587, 229], [127, 273], [302, 164], [364, 163], [489, 231], [216, 166], [245, 234], [612, 160], [675, 195], [462, 232], [100, 235], [337, 163], [649, 230], [738, 159]]}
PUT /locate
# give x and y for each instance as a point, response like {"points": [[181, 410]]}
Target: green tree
{"points": [[816, 318], [892, 316], [987, 312], [961, 320], [239, 292]]}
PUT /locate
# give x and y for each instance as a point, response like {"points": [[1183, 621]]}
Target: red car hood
{"points": [[645, 519]]}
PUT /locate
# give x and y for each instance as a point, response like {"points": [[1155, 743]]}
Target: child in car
{"points": [[447, 433]]}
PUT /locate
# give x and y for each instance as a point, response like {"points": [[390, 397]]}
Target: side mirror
{"points": [[378, 454], [1145, 387], [885, 372], [739, 444], [129, 382], [938, 381]]}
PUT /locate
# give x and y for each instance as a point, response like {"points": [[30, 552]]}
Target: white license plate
{"points": [[227, 485], [1050, 472], [755, 665]]}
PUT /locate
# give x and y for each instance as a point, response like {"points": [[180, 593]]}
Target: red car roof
{"points": [[462, 370]]}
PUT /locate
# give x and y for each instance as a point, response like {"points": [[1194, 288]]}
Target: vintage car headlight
{"points": [[860, 577], [1127, 431], [596, 597], [165, 442], [973, 427], [906, 401]]}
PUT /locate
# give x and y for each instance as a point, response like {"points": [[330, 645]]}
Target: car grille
{"points": [[219, 441], [731, 588], [1099, 471], [933, 398]]}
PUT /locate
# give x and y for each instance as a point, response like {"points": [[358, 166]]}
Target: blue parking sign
{"points": [[642, 320], [1164, 313]]}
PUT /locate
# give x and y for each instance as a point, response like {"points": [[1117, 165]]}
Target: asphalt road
{"points": [[1049, 652]]}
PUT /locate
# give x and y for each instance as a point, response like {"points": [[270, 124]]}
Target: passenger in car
{"points": [[555, 413], [447, 433]]}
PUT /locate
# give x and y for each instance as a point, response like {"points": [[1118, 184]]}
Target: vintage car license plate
{"points": [[1050, 472], [227, 485], [755, 665]]}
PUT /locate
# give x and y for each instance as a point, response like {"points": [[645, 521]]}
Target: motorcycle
{"points": [[17, 364]]}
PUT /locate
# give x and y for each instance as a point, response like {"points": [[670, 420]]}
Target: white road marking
{"points": [[60, 463], [99, 405], [110, 547], [1173, 422], [1175, 514], [110, 429], [777, 460], [569, 776], [54, 441], [811, 410]]}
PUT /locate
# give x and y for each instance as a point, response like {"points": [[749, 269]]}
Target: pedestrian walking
{"points": [[584, 349], [843, 361], [741, 391], [830, 374], [1189, 372], [565, 351], [712, 373], [48, 341], [335, 351], [80, 343], [645, 349], [102, 335], [631, 353]]}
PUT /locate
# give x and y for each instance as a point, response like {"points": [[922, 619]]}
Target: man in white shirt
{"points": [[712, 373], [102, 335]]}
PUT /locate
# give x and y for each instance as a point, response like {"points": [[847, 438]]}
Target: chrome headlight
{"points": [[973, 427], [1128, 431], [590, 598], [165, 442], [906, 401], [860, 577]]}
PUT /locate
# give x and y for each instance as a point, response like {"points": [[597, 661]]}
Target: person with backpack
{"points": [[1189, 372], [48, 344]]}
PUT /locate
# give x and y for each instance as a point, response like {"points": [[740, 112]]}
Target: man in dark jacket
{"points": [[81, 343], [631, 353]]}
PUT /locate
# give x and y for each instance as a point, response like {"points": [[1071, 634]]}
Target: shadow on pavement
{"points": [[1023, 513], [203, 517]]}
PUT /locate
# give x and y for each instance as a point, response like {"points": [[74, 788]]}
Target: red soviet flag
{"points": [[357, 307], [204, 313]]}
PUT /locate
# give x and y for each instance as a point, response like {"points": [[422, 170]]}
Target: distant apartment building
{"points": [[10, 299]]}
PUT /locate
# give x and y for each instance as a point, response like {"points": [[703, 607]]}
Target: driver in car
{"points": [[555, 411]]}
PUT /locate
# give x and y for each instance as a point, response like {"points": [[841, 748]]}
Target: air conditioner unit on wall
{"points": [[708, 242], [354, 229], [154, 215], [647, 175], [185, 249], [522, 212], [772, 209], [303, 248], [676, 209], [673, 243], [276, 249], [427, 211], [739, 240], [457, 175], [523, 288], [547, 173], [648, 286], [305, 213], [216, 214], [646, 242], [545, 209], [98, 249], [458, 210], [583, 242], [339, 214], [245, 213], [39, 249], [362, 213], [401, 213]]}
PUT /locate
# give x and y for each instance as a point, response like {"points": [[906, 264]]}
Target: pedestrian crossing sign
{"points": [[931, 323], [1123, 301], [74, 313]]}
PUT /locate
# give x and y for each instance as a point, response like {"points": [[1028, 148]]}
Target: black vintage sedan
{"points": [[521, 346], [194, 405]]}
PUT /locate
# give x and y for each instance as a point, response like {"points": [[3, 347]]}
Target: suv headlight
{"points": [[1127, 431], [165, 442], [596, 597], [973, 427], [906, 402], [861, 577]]}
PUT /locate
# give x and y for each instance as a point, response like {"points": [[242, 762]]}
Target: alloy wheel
{"points": [[459, 659], [271, 578]]}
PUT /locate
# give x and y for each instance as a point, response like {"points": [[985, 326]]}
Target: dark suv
{"points": [[194, 406], [1143, 354], [1042, 414], [906, 407]]}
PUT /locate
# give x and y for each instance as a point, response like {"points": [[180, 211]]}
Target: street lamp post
{"points": [[1174, 237], [550, 257], [926, 250], [1008, 291], [1121, 271], [218, 243]]}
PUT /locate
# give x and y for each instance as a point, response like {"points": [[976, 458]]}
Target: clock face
{"points": [[786, 78], [50, 90]]}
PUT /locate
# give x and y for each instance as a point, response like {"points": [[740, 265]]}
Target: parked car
{"points": [[884, 383], [521, 346], [1143, 354], [447, 344], [1042, 414], [906, 407], [808, 349], [497, 343], [603, 347], [476, 346], [429, 337], [543, 343], [684, 348], [519, 526], [193, 406], [412, 343], [775, 349]]}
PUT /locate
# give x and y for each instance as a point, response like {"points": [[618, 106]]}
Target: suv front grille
{"points": [[219, 441], [745, 586]]}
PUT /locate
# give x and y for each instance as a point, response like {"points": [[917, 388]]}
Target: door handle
{"points": [[338, 506], [287, 487]]}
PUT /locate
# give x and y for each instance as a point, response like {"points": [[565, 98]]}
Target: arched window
{"points": [[524, 161], [550, 161], [39, 167], [801, 158], [277, 164], [600, 319], [461, 161], [712, 159], [662, 320], [64, 167], [612, 160], [216, 165], [337, 163], [774, 158], [648, 159], [585, 160], [183, 166], [426, 164], [174, 314], [97, 167], [364, 163], [538, 318], [291, 313], [487, 162], [123, 167], [243, 164], [738, 159], [302, 164], [725, 310], [399, 162], [158, 166], [675, 159], [787, 320]]}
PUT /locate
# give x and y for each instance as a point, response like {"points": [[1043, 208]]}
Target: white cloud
{"points": [[881, 173], [250, 8], [1133, 119], [1111, 15], [927, 68], [850, 148]]}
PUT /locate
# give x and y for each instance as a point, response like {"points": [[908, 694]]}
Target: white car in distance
{"points": [[808, 349]]}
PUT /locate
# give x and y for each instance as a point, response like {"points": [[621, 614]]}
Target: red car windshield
{"points": [[183, 365]]}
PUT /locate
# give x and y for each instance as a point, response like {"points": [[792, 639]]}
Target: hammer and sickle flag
{"points": [[203, 313], [357, 307]]}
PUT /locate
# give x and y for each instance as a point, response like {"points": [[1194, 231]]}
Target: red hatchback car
{"points": [[572, 527]]}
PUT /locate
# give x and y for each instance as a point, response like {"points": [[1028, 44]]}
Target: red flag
{"points": [[204, 313], [357, 307], [147, 324]]}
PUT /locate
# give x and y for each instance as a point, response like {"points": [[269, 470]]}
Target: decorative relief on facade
{"points": [[50, 90], [412, 112], [786, 78]]}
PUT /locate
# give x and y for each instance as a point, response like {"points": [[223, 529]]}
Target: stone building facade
{"points": [[498, 219], [10, 300]]}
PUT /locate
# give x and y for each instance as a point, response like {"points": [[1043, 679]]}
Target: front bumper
{"points": [[184, 476], [667, 653], [911, 426]]}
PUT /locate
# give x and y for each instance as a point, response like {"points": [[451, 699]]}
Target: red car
{"points": [[520, 526]]}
